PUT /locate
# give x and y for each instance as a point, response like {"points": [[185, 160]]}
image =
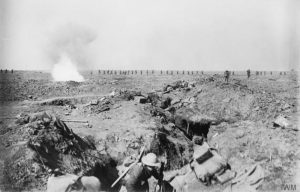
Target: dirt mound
{"points": [[170, 145], [45, 143]]}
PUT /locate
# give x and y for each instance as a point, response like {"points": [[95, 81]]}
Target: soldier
{"points": [[137, 178], [248, 73], [226, 75]]}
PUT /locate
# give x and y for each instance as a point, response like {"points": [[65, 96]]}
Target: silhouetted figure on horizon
{"points": [[226, 75], [248, 73]]}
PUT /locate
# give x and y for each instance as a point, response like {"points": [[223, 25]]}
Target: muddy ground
{"points": [[243, 113]]}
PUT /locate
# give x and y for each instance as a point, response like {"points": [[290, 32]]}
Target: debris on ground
{"points": [[282, 122], [140, 99], [170, 117], [45, 142]]}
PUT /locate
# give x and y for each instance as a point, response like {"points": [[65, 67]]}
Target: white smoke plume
{"points": [[68, 51], [65, 70]]}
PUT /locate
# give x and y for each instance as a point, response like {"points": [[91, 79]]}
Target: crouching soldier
{"points": [[137, 178]]}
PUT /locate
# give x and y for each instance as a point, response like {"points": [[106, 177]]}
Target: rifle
{"points": [[161, 176], [126, 171]]}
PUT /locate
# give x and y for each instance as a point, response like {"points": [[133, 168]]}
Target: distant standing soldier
{"points": [[226, 75], [248, 73], [1, 71], [5, 70], [12, 71]]}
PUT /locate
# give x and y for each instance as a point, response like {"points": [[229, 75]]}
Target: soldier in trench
{"points": [[137, 178]]}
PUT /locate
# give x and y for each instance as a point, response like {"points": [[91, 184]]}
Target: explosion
{"points": [[65, 70], [68, 49]]}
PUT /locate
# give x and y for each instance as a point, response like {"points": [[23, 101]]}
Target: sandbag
{"points": [[210, 166], [247, 181], [181, 182], [200, 150]]}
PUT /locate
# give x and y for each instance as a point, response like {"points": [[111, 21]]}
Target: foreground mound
{"points": [[45, 142]]}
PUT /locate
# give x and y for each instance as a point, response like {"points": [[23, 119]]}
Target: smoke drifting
{"points": [[68, 50], [161, 35]]}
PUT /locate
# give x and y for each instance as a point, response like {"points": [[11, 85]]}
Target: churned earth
{"points": [[107, 109]]}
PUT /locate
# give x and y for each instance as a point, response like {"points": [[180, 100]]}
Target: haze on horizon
{"points": [[160, 35]]}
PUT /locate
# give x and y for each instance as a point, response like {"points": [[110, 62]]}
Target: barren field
{"points": [[110, 117]]}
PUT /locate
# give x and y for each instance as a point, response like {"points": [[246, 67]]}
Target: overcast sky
{"points": [[156, 34]]}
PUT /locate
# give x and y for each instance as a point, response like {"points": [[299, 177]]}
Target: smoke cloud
{"points": [[167, 34], [68, 48], [71, 41]]}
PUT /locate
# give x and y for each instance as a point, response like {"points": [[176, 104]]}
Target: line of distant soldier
{"points": [[128, 72], [147, 72], [171, 72], [6, 71], [248, 72]]}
